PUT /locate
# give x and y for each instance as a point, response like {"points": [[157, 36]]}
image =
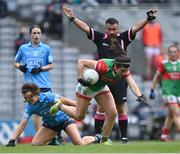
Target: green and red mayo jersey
{"points": [[170, 72], [104, 67]]}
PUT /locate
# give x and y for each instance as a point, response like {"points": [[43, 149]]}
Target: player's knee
{"points": [[115, 113], [176, 114], [99, 109], [35, 143], [112, 113]]}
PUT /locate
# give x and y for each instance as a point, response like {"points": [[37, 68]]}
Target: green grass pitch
{"points": [[131, 147]]}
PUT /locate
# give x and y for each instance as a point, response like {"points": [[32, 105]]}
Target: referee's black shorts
{"points": [[119, 91]]}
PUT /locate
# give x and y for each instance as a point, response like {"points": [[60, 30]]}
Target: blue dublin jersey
{"points": [[42, 108], [35, 57]]}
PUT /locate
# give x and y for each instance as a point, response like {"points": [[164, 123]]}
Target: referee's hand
{"points": [[142, 101], [151, 14], [68, 12]]}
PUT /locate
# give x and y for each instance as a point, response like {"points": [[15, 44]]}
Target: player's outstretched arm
{"points": [[151, 15], [133, 86], [18, 132], [79, 23], [135, 89], [67, 101], [70, 110], [156, 79]]}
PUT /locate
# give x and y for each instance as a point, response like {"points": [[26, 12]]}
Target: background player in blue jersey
{"points": [[35, 60], [40, 103]]}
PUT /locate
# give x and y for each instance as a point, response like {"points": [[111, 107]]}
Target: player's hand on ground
{"points": [[151, 14], [152, 94], [11, 143], [55, 108], [68, 11], [84, 83], [23, 68], [142, 100], [36, 70]]}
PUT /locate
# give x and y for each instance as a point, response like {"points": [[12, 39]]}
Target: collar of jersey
{"points": [[30, 44]]}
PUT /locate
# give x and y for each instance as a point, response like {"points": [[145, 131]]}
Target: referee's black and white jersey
{"points": [[103, 45]]}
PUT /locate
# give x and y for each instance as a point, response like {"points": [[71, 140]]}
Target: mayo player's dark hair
{"points": [[122, 61]]}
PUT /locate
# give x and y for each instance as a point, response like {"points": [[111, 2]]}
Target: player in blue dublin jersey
{"points": [[40, 103], [35, 60]]}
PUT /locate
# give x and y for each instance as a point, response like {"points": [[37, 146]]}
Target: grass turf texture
{"points": [[131, 147]]}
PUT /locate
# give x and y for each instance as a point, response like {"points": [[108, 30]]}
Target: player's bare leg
{"points": [[70, 110], [79, 111], [67, 101], [37, 121], [43, 136], [148, 67], [175, 112], [82, 105], [73, 133], [106, 101], [166, 128]]}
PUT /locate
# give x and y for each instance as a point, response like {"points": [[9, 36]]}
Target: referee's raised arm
{"points": [[79, 23], [151, 15]]}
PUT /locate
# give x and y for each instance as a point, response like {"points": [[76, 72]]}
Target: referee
{"points": [[109, 44]]}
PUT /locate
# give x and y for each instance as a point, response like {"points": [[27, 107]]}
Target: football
{"points": [[90, 76]]}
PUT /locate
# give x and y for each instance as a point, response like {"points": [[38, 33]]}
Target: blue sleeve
{"points": [[53, 97], [49, 97], [56, 97], [27, 113], [18, 56], [49, 54]]}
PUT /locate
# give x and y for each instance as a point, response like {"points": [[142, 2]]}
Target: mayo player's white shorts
{"points": [[171, 99], [85, 92]]}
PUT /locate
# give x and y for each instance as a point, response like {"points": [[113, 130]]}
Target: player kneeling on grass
{"points": [[110, 71], [40, 103]]}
